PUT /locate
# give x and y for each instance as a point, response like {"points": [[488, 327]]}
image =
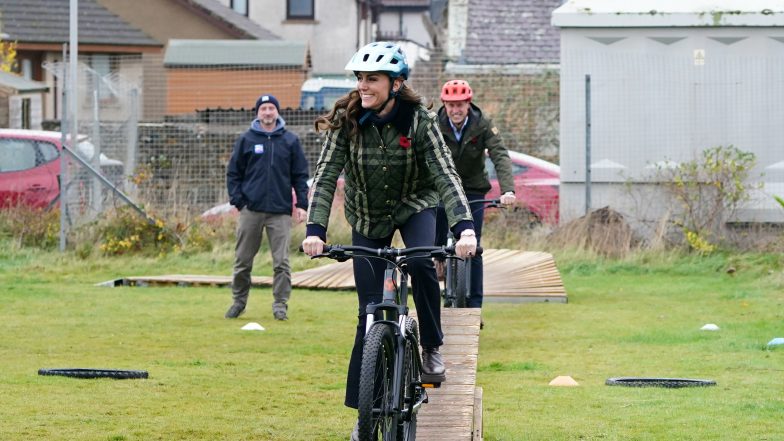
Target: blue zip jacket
{"points": [[263, 169]]}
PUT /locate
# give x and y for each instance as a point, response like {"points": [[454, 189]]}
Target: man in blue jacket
{"points": [[266, 164]]}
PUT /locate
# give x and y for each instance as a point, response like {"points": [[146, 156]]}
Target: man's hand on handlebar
{"points": [[508, 198], [466, 246], [313, 246]]}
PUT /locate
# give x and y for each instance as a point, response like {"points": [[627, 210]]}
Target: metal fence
{"points": [[165, 133]]}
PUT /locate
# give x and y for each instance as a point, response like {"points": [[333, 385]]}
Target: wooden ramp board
{"points": [[183, 280], [452, 410], [509, 276]]}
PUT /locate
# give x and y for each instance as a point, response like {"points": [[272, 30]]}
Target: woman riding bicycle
{"points": [[397, 168]]}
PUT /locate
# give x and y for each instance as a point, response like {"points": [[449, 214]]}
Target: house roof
{"points": [[182, 53], [669, 13], [21, 84], [47, 21], [237, 21], [511, 32]]}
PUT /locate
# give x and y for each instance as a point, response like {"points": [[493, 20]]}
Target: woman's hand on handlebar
{"points": [[508, 198], [313, 246], [466, 246]]}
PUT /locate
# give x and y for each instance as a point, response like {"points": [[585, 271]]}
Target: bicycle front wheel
{"points": [[411, 390], [377, 415]]}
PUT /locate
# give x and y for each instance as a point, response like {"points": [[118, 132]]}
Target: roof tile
{"points": [[47, 21], [511, 32]]}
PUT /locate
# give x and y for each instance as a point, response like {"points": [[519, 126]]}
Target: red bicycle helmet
{"points": [[456, 90]]}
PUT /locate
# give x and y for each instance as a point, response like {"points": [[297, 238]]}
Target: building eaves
{"points": [[238, 22], [669, 13], [248, 53], [21, 84], [47, 21], [511, 32], [413, 4]]}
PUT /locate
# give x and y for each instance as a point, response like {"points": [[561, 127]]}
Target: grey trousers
{"points": [[250, 228]]}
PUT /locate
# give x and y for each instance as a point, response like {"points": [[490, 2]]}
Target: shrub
{"points": [[31, 227], [124, 231], [708, 190]]}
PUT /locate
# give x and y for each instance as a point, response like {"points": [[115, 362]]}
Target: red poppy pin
{"points": [[405, 142]]}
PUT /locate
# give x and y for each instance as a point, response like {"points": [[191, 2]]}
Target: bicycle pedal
{"points": [[432, 381]]}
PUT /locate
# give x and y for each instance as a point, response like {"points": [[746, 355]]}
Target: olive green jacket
{"points": [[391, 173], [469, 153]]}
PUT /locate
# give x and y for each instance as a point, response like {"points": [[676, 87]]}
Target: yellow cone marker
{"points": [[563, 380]]}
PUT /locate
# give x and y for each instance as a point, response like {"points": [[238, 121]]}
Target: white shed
{"points": [[668, 79]]}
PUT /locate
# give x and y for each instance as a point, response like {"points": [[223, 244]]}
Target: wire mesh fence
{"points": [[655, 116], [163, 132]]}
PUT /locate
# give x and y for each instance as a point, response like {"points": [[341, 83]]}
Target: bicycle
{"points": [[457, 274], [392, 385]]}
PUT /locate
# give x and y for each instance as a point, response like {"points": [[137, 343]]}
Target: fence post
{"points": [[96, 202], [63, 178], [587, 143], [131, 152]]}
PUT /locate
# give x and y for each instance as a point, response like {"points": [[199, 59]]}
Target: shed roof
{"points": [[511, 32], [47, 21], [234, 52], [21, 84], [669, 13]]}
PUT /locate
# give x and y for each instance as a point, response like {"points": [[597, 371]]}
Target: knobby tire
{"points": [[658, 382], [411, 376], [461, 289], [94, 373], [377, 419]]}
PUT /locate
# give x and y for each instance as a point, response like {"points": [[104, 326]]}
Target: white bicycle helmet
{"points": [[381, 56]]}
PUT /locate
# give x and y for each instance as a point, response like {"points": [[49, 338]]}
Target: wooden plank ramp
{"points": [[509, 276], [452, 410]]}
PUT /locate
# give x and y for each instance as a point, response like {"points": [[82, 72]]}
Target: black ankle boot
{"points": [[432, 363]]}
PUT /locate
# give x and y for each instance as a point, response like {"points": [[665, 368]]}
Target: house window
{"points": [[299, 9], [240, 6]]}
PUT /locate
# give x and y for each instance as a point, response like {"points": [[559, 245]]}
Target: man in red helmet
{"points": [[468, 133]]}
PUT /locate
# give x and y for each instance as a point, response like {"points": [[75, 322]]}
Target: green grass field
{"points": [[211, 381]]}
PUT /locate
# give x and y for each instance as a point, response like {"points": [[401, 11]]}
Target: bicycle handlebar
{"points": [[343, 252], [489, 201]]}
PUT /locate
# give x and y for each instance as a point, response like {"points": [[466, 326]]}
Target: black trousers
{"points": [[419, 230], [477, 273]]}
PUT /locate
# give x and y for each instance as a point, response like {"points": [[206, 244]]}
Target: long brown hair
{"points": [[351, 105]]}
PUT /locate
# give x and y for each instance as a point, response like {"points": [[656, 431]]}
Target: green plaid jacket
{"points": [[391, 173]]}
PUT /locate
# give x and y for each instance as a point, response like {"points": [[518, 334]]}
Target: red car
{"points": [[536, 184], [30, 167], [536, 187]]}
